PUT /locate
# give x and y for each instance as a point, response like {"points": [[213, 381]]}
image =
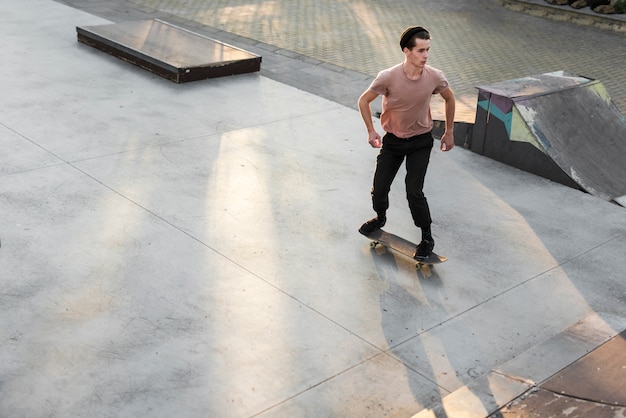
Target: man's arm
{"points": [[447, 139], [366, 113]]}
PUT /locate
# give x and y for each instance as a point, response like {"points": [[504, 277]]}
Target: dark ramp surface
{"points": [[594, 386], [169, 51], [570, 120], [599, 376]]}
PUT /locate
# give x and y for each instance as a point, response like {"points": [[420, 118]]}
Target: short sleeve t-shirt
{"points": [[406, 102]]}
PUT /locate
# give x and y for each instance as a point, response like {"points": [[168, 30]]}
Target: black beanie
{"points": [[408, 34]]}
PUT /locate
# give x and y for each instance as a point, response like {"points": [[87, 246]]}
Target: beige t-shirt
{"points": [[406, 102]]}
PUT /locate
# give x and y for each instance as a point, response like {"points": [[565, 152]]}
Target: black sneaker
{"points": [[424, 249], [372, 225]]}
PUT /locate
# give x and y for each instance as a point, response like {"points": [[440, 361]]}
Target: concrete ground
{"points": [[191, 250]]}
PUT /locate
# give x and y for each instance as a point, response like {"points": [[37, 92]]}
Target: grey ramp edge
{"points": [[586, 137]]}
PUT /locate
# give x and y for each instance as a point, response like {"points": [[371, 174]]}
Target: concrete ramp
{"points": [[565, 128]]}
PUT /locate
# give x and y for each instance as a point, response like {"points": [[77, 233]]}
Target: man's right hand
{"points": [[375, 140]]}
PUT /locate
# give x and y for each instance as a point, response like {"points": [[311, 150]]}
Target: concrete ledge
{"points": [[169, 51], [585, 16], [462, 132]]}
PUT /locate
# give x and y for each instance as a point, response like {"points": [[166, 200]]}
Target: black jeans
{"points": [[416, 150]]}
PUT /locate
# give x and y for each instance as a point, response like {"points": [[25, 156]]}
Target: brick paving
{"points": [[339, 45]]}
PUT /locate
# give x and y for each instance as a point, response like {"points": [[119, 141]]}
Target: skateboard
{"points": [[403, 246]]}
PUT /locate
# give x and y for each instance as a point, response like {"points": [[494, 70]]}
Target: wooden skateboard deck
{"points": [[403, 246]]}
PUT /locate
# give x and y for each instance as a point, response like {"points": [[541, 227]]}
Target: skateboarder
{"points": [[407, 89]]}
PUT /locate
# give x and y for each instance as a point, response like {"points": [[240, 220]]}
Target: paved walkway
{"points": [[338, 46], [191, 250]]}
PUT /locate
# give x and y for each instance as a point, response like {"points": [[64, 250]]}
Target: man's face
{"points": [[418, 55]]}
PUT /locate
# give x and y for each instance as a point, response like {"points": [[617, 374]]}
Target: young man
{"points": [[407, 89]]}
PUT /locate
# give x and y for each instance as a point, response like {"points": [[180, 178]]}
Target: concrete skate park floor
{"points": [[192, 250]]}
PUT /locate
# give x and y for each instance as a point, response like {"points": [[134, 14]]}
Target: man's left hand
{"points": [[447, 141]]}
